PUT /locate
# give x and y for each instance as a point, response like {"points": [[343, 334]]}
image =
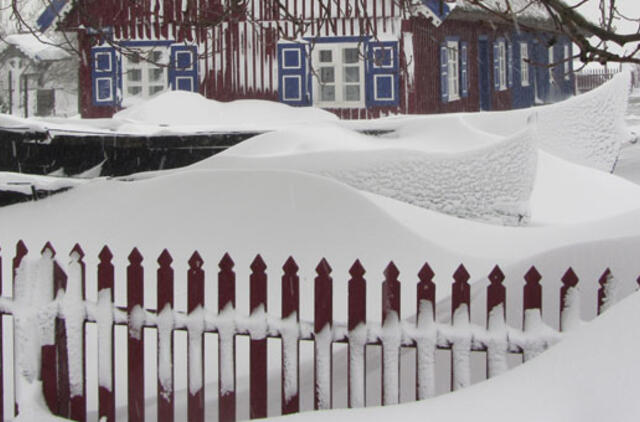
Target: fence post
{"points": [[74, 320], [258, 344], [391, 336], [569, 301], [290, 338], [605, 291], [136, 314], [21, 252], [323, 336], [357, 335], [532, 306], [106, 375], [195, 308], [460, 317], [164, 308], [63, 387], [496, 325], [427, 340], [227, 341]]}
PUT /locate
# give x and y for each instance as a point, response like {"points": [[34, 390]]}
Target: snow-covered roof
{"points": [[38, 48]]}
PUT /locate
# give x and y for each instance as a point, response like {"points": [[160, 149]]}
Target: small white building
{"points": [[37, 77]]}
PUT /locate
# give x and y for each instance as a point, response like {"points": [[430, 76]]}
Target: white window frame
{"points": [[453, 70], [339, 74], [502, 65], [145, 66], [567, 63], [524, 64], [552, 59]]}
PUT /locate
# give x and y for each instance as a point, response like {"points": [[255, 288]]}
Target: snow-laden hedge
{"points": [[492, 183]]}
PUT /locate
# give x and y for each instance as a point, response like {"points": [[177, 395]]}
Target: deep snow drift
{"points": [[490, 183]]}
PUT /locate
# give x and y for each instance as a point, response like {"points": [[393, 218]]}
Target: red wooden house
{"points": [[357, 58]]}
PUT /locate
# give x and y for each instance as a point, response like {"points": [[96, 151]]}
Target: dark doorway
{"points": [[46, 99], [484, 74]]}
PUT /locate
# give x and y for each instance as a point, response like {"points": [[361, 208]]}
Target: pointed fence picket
{"points": [[62, 355]]}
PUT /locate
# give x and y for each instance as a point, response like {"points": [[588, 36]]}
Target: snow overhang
{"points": [[435, 10]]}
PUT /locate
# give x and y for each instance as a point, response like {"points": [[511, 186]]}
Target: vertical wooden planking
{"points": [[460, 314], [63, 387], [48, 352], [290, 338], [427, 341], [497, 347], [357, 335], [227, 341], [136, 314], [532, 307], [74, 314], [323, 336], [258, 345], [195, 351], [165, 304], [391, 336], [569, 301], [106, 374], [605, 291]]}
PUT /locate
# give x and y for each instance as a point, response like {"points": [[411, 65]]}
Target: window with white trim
{"points": [[524, 64], [502, 65], [144, 73], [567, 63], [338, 75], [453, 71]]}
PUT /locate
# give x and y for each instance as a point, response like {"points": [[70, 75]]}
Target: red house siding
{"points": [[238, 53]]}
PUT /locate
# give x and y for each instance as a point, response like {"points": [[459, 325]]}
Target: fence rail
{"points": [[53, 301]]}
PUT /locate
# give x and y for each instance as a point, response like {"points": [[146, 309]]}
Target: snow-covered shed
{"points": [[38, 77], [357, 59]]}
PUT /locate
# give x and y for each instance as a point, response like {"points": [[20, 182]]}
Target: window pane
{"points": [[156, 56], [327, 75], [134, 75], [352, 74], [155, 74], [326, 56], [328, 93], [134, 58], [352, 92], [351, 55], [154, 89], [134, 90]]}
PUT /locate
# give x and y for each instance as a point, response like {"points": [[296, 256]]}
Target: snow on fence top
{"points": [[50, 309]]}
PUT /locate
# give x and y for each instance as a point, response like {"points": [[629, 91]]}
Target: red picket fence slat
{"points": [[64, 376]]}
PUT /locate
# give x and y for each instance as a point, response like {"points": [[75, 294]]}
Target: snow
{"points": [[391, 341], [426, 348], [73, 311], [37, 47], [180, 109], [492, 183], [498, 343], [104, 319], [195, 328], [323, 357], [357, 342], [290, 357]]}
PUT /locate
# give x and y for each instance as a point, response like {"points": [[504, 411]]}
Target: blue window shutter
{"points": [[444, 73], [496, 66], [382, 69], [464, 69], [510, 64], [183, 69], [293, 78], [104, 76]]}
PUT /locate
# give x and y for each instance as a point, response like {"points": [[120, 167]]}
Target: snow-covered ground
{"points": [[628, 165]]}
